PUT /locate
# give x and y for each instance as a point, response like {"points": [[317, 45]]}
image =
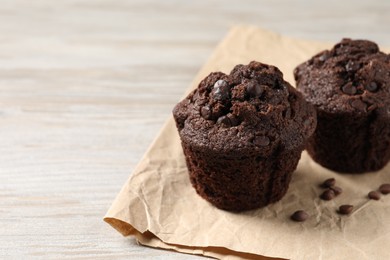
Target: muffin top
{"points": [[251, 109], [352, 78]]}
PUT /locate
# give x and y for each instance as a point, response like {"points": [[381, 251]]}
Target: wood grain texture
{"points": [[84, 87]]}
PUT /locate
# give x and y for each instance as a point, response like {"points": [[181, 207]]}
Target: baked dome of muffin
{"points": [[252, 108], [352, 77]]}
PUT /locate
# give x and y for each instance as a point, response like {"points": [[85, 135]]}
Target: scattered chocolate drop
{"points": [[221, 90], [328, 195], [337, 190], [254, 89], [349, 89], [372, 87], [224, 120], [205, 112], [358, 104], [299, 216], [345, 209], [374, 195], [328, 183], [261, 140], [385, 188]]}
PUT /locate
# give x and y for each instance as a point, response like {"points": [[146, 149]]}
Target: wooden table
{"points": [[84, 88]]}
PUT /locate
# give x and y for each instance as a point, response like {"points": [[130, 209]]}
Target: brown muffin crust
{"points": [[350, 87], [242, 135]]}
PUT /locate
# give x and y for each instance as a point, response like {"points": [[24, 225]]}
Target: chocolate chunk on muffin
{"points": [[350, 87], [242, 135]]}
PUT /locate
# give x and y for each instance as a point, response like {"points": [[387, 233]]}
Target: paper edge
{"points": [[149, 239]]}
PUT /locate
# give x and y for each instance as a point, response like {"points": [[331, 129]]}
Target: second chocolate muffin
{"points": [[242, 135], [350, 87]]}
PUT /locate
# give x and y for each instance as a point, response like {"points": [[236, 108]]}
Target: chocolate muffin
{"points": [[350, 87], [242, 135]]}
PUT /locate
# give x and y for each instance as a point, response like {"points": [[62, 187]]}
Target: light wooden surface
{"points": [[84, 88]]}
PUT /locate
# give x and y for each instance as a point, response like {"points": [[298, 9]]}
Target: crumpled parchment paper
{"points": [[159, 207]]}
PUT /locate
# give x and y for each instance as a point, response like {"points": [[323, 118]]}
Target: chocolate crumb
{"points": [[328, 195], [345, 209], [358, 104], [349, 89], [374, 195], [385, 188], [299, 216], [261, 141], [221, 90], [205, 112]]}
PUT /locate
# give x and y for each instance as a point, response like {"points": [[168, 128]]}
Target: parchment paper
{"points": [[158, 205]]}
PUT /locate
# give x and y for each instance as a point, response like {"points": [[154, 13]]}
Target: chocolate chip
{"points": [[261, 141], [328, 183], [224, 120], [233, 120], [345, 209], [254, 89], [372, 87], [349, 89], [358, 104], [352, 66], [323, 57], [374, 195], [385, 188], [299, 216], [327, 195], [307, 122], [337, 190], [220, 83], [205, 112], [287, 113], [220, 90], [372, 107]]}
